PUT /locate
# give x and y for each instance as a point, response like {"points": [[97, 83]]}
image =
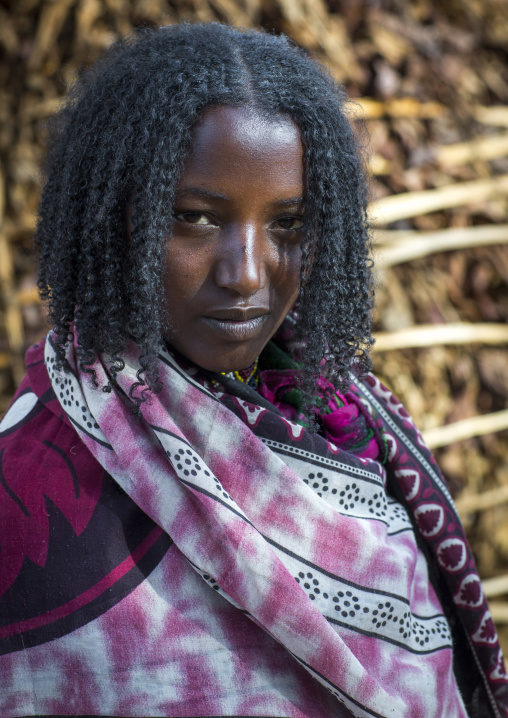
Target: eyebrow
{"points": [[199, 192], [291, 202], [208, 194]]}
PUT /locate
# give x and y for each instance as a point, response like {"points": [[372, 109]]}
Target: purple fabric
{"points": [[345, 421], [291, 584]]}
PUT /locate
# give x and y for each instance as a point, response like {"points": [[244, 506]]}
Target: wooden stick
{"points": [[429, 335], [5, 360], [12, 314], [495, 586], [39, 110], [411, 204], [496, 116], [234, 13], [378, 165], [499, 612], [413, 246], [25, 297], [466, 429], [50, 23], [481, 148], [25, 225], [394, 236], [400, 107]]}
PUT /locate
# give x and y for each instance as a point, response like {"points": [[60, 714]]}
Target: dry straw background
{"points": [[430, 80]]}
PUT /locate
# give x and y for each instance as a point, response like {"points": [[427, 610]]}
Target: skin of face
{"points": [[233, 260]]}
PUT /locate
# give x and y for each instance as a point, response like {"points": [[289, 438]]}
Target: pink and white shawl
{"points": [[271, 528]]}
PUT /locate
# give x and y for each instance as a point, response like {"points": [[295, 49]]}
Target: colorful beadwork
{"points": [[249, 375]]}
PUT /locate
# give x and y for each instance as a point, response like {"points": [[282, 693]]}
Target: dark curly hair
{"points": [[118, 146]]}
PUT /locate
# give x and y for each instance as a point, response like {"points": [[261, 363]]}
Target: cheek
{"points": [[184, 273], [288, 284]]}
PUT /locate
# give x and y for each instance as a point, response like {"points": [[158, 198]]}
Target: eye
{"points": [[289, 223], [194, 218]]}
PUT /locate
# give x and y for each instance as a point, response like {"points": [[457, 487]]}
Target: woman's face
{"points": [[233, 261]]}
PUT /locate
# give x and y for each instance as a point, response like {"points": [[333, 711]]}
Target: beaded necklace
{"points": [[249, 375]]}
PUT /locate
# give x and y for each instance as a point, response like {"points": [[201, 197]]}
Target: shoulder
{"points": [[41, 458], [34, 410], [35, 434], [383, 404]]}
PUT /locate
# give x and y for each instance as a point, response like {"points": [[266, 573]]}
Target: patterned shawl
{"points": [[268, 571]]}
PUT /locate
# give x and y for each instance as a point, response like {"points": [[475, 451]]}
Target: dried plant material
{"points": [[409, 204], [466, 429], [420, 379], [232, 12], [426, 335], [493, 369], [480, 148], [153, 11], [393, 236], [397, 312], [499, 612], [495, 586], [87, 14], [2, 197], [413, 246], [481, 502], [309, 20], [5, 360], [8, 36], [51, 21], [27, 296], [396, 107], [389, 44], [40, 110], [495, 116], [12, 317], [24, 226]]}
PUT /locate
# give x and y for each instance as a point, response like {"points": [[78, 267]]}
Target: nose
{"points": [[241, 261]]}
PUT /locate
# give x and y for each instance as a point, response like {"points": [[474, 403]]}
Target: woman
{"points": [[209, 508]]}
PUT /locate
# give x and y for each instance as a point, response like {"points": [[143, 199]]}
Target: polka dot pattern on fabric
{"points": [[382, 615], [70, 395], [191, 469]]}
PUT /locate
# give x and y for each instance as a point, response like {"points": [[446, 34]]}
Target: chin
{"points": [[236, 361], [227, 366]]}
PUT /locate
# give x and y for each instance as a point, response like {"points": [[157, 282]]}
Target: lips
{"points": [[237, 323], [237, 314]]}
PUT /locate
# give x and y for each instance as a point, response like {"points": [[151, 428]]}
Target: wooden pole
{"points": [[411, 204], [416, 245], [429, 335]]}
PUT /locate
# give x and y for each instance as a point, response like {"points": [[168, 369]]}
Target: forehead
{"points": [[229, 144]]}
